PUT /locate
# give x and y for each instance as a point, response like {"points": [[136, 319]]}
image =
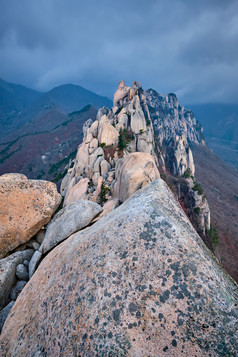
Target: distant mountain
{"points": [[40, 130], [14, 99], [42, 148], [220, 123], [20, 105], [70, 97]]}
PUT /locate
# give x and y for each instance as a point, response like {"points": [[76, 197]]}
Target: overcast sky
{"points": [[189, 47]]}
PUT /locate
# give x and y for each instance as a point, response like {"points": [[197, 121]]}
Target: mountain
{"points": [[220, 123], [70, 97], [42, 148], [41, 129], [14, 99], [19, 105]]}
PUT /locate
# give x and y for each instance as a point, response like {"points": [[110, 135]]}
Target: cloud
{"points": [[172, 46]]}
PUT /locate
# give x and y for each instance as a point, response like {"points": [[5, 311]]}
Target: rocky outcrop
{"points": [[67, 221], [125, 129], [26, 205], [182, 158], [176, 131], [171, 119], [132, 173], [138, 282]]}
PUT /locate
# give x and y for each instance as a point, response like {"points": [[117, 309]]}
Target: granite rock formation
{"points": [[26, 206], [138, 282], [139, 122]]}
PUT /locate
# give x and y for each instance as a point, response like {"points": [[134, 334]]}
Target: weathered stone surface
{"points": [[108, 134], [104, 168], [109, 206], [40, 236], [34, 262], [69, 220], [121, 92], [4, 313], [134, 172], [22, 272], [18, 288], [138, 122], [76, 192], [25, 206], [139, 282], [8, 273]]}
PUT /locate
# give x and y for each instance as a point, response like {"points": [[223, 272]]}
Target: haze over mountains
{"points": [[20, 105], [39, 130], [220, 123]]}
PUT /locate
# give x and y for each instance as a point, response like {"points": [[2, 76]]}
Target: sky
{"points": [[189, 47]]}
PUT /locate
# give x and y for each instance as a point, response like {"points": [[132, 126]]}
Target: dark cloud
{"points": [[187, 47]]}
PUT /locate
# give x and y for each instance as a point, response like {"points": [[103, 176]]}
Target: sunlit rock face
{"points": [[25, 205], [138, 282]]}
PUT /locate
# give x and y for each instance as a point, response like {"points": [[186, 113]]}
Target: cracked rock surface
{"points": [[139, 282]]}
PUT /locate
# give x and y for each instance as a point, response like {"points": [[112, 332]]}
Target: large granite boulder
{"points": [[134, 172], [69, 220], [25, 207], [139, 282]]}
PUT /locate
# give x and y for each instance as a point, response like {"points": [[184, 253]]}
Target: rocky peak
{"points": [[103, 159], [170, 118], [109, 142]]}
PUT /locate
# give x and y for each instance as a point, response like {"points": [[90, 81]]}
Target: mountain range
{"points": [[39, 130]]}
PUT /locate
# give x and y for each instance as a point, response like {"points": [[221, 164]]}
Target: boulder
{"points": [[64, 184], [108, 134], [22, 272], [138, 122], [104, 168], [132, 173], [4, 313], [94, 127], [139, 282], [121, 92], [97, 154], [93, 145], [109, 206], [40, 236], [81, 161], [69, 220], [98, 189], [8, 273], [25, 206], [34, 262], [18, 288], [76, 192]]}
